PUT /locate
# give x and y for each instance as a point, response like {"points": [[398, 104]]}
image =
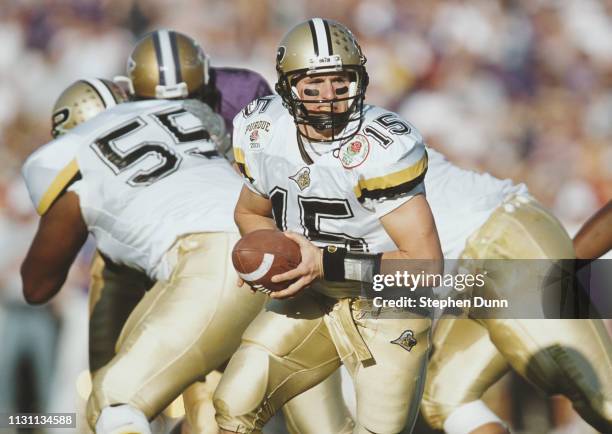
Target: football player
{"points": [[349, 177], [482, 217], [146, 180], [163, 64]]}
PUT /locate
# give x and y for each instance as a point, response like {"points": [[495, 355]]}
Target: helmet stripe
{"points": [[328, 34], [175, 57], [160, 62], [322, 38], [167, 65], [313, 32], [107, 97]]}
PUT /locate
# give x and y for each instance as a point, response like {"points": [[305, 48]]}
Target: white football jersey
{"points": [[145, 172], [462, 200], [341, 197]]}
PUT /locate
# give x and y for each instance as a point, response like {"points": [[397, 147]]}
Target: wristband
{"points": [[340, 265]]}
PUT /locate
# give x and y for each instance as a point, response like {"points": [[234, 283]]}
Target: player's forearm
{"points": [[594, 239], [248, 222], [38, 287]]}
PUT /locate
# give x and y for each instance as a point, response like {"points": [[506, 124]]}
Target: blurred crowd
{"points": [[519, 88]]}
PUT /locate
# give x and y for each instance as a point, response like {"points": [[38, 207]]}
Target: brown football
{"points": [[264, 253]]}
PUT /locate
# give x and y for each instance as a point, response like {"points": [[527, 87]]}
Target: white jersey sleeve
{"points": [[253, 130], [395, 168], [50, 170]]}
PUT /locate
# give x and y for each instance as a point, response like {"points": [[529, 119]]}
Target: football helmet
{"points": [[167, 64], [322, 46], [83, 100]]}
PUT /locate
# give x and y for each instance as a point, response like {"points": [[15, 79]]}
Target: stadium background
{"points": [[519, 88]]}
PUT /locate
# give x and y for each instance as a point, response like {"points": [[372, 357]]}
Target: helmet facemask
{"points": [[343, 125]]}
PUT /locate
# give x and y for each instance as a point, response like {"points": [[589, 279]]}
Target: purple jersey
{"points": [[235, 88]]}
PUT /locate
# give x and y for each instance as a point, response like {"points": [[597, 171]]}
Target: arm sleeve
{"points": [[245, 162], [394, 177]]}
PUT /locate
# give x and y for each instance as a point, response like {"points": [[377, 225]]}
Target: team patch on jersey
{"points": [[257, 131], [302, 178], [406, 340], [355, 152]]}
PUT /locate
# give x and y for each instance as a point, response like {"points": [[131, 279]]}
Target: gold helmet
{"points": [[83, 100], [321, 46], [167, 64]]}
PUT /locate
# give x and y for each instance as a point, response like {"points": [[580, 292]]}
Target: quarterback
{"points": [[346, 179], [481, 217], [146, 180]]}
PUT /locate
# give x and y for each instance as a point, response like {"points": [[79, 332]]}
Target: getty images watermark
{"points": [[491, 288], [412, 281]]}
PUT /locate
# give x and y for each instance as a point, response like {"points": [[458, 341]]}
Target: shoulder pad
{"points": [[253, 129], [50, 170], [396, 160]]}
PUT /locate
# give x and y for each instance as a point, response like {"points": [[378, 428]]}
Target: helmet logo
{"points": [[280, 54], [354, 152], [302, 178], [59, 118]]}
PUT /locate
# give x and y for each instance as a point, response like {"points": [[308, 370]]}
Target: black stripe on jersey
{"points": [[329, 42], [175, 56], [313, 32], [77, 177], [96, 91], [242, 169], [391, 192], [158, 55]]}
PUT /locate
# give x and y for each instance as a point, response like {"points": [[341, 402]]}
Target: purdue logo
{"points": [[406, 340], [59, 119], [302, 178], [280, 54]]}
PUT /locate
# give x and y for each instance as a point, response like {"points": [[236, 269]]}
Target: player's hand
{"points": [[240, 282], [310, 269]]}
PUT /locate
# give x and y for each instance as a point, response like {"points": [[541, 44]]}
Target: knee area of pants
{"points": [[122, 419], [248, 370]]}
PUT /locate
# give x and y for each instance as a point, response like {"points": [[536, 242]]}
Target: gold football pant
{"points": [[562, 356], [181, 329], [295, 344], [114, 291]]}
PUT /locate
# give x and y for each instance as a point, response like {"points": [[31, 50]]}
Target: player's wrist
{"points": [[340, 265]]}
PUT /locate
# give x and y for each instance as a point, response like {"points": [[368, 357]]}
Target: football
{"points": [[264, 253]]}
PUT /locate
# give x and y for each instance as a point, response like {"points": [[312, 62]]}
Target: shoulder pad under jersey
{"points": [[50, 170], [388, 154]]}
